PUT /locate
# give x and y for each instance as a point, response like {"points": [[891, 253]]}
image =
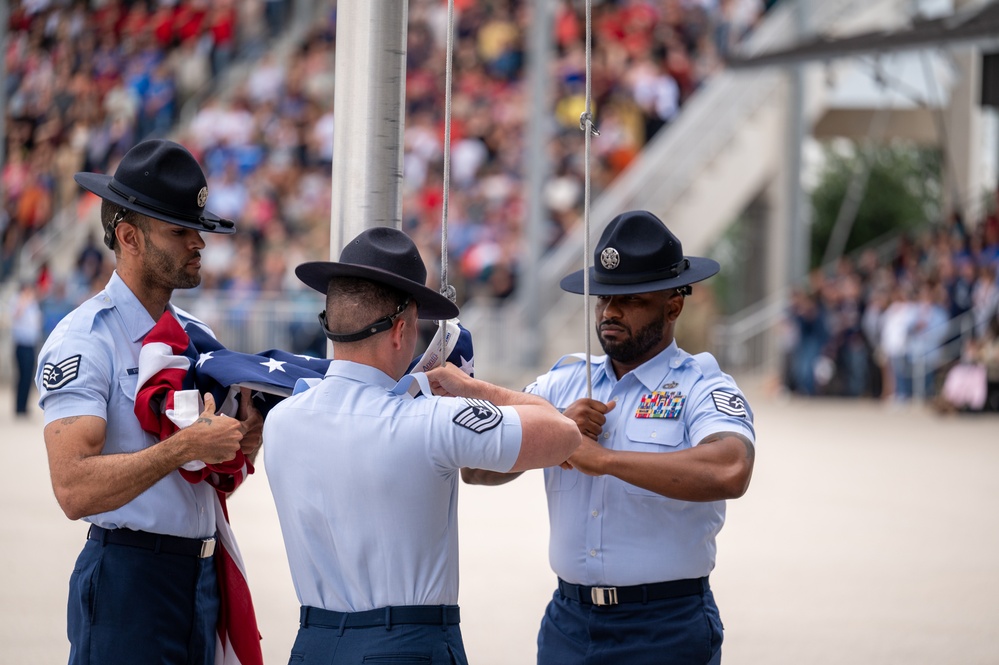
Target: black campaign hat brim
{"points": [[97, 183], [430, 304], [699, 270]]}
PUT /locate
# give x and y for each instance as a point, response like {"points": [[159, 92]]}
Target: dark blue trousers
{"points": [[676, 631], [137, 606], [401, 643], [25, 356]]}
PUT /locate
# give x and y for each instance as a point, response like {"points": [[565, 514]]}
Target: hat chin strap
{"points": [[381, 325], [109, 230]]}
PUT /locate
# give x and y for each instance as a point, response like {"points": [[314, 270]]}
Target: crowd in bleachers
{"points": [[268, 148], [86, 80], [874, 324]]}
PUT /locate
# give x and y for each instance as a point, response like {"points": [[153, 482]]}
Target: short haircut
{"points": [[354, 302], [109, 210]]}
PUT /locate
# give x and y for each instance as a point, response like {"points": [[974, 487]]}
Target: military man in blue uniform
{"points": [[144, 589], [364, 466], [668, 437]]}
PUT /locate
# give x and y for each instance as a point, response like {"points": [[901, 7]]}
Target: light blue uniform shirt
{"points": [[365, 481], [606, 532], [89, 367]]}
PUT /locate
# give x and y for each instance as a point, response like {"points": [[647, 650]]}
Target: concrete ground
{"points": [[869, 535]]}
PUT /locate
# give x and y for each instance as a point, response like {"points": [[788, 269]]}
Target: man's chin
{"points": [[612, 350], [190, 282]]}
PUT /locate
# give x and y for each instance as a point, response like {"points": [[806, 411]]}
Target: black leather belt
{"points": [[154, 541], [640, 593], [431, 615]]}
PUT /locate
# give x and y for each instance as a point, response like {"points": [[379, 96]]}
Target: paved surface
{"points": [[869, 535]]}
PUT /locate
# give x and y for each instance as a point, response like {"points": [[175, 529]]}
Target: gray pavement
{"points": [[869, 535]]}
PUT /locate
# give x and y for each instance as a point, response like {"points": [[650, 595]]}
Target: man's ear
{"points": [[398, 332], [673, 307], [128, 237]]}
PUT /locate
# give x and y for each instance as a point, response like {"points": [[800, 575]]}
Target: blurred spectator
{"points": [[985, 297], [275, 15], [811, 335], [928, 333], [972, 384], [90, 266], [26, 332], [58, 302]]}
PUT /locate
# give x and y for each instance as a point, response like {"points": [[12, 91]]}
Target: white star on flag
{"points": [[203, 358], [274, 365], [467, 366]]}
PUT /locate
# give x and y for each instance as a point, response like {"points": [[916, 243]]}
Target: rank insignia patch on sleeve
{"points": [[731, 404], [55, 376], [479, 416]]}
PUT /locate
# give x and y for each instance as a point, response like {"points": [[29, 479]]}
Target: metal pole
{"points": [[800, 223], [369, 109], [536, 173], [4, 21]]}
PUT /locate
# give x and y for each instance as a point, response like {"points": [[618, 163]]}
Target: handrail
{"points": [[928, 353]]}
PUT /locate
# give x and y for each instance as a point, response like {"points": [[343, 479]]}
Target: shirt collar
{"points": [[133, 313], [651, 372], [361, 373]]}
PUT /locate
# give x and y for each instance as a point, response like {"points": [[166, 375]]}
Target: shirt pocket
{"points": [[558, 479], [128, 383], [652, 435]]}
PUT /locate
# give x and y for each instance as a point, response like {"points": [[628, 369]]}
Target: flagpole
{"points": [[369, 118]]}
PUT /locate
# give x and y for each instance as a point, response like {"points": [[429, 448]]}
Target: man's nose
{"points": [[609, 309]]}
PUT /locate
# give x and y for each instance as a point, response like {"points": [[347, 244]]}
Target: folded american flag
{"points": [[167, 399]]}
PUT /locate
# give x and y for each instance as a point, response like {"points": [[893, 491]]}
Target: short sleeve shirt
{"points": [[88, 366], [365, 480], [605, 531]]}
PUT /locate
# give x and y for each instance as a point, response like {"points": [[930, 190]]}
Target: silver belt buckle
{"points": [[207, 548], [603, 595]]}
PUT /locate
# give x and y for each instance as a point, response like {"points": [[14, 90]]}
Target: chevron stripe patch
{"points": [[479, 416], [731, 404], [56, 375]]}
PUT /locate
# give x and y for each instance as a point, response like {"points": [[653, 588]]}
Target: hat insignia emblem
{"points": [[610, 259], [202, 197]]}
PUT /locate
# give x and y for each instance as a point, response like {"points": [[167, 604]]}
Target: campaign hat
{"points": [[388, 256], [160, 179], [638, 254]]}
